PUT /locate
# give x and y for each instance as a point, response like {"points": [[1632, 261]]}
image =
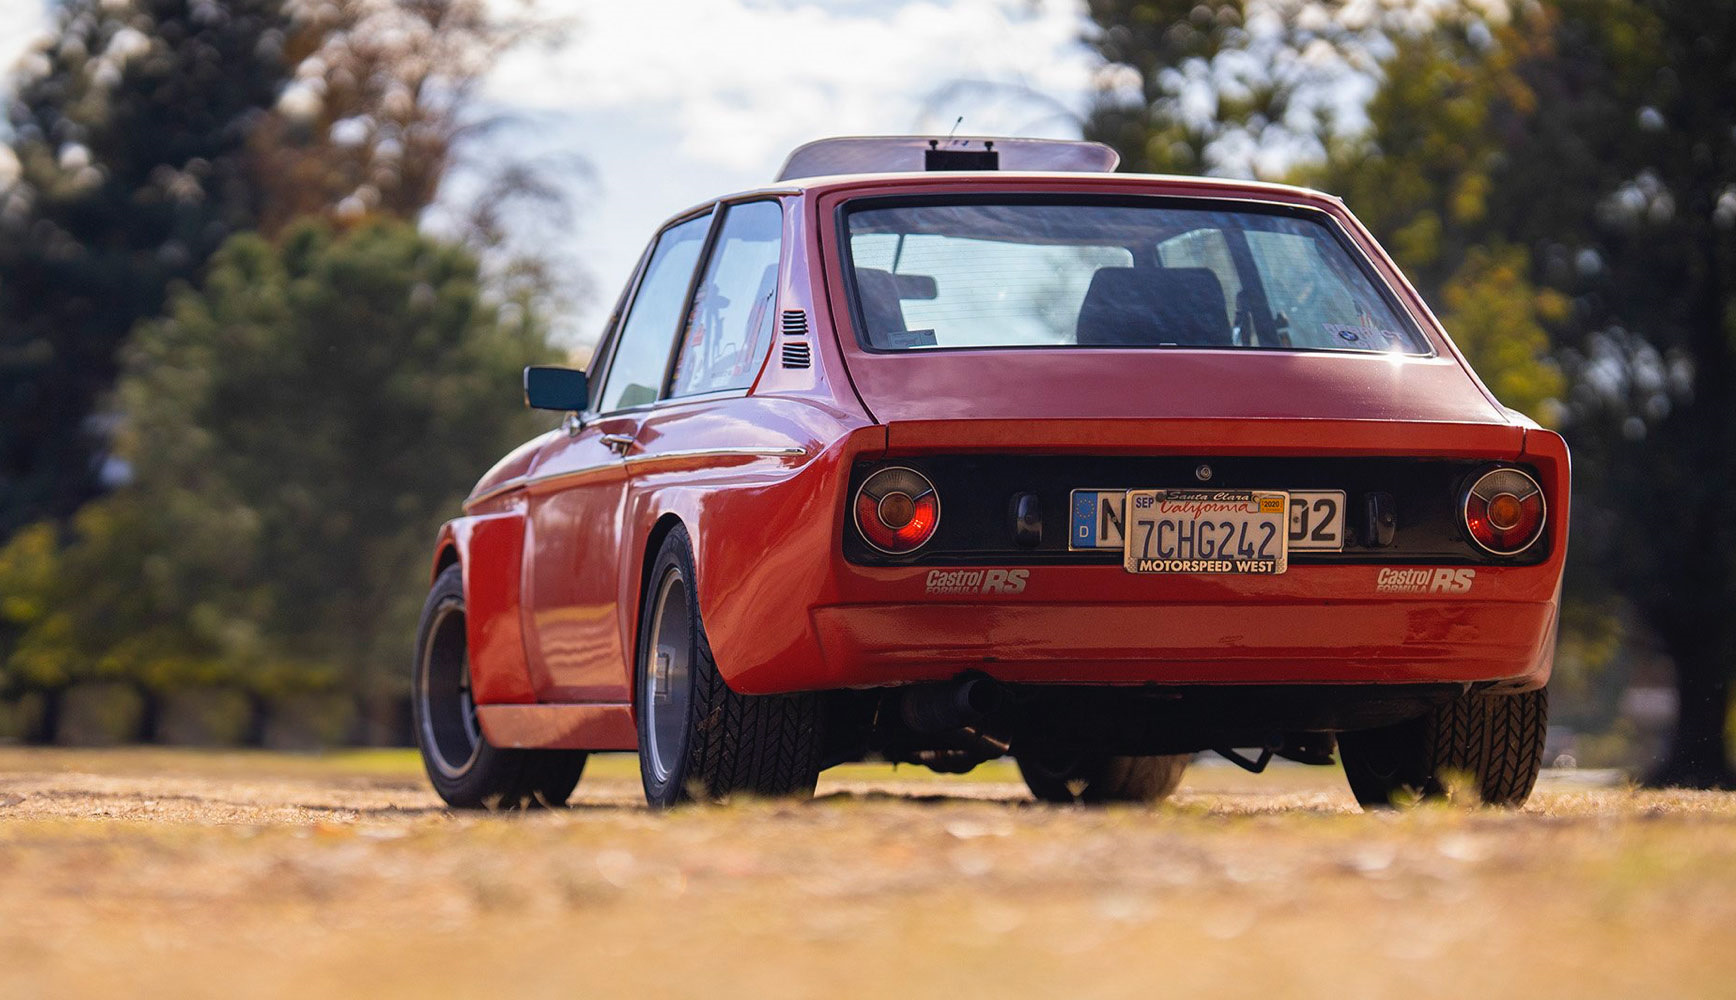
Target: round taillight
{"points": [[897, 510], [1504, 512]]}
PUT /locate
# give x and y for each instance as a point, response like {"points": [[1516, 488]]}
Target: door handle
{"points": [[617, 443]]}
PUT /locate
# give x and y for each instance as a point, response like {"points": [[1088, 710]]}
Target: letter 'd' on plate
{"points": [[1207, 531]]}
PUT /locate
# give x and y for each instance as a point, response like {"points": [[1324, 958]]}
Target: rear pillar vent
{"points": [[796, 354]]}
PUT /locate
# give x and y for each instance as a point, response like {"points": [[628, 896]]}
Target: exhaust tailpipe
{"points": [[950, 705]]}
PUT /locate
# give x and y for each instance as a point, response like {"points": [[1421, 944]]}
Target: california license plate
{"points": [[1206, 531]]}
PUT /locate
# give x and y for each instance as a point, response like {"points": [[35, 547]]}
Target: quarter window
{"points": [[642, 351], [729, 327]]}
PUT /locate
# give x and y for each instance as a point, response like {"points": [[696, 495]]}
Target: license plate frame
{"points": [[1241, 532]]}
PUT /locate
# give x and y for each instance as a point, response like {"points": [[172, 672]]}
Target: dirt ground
{"points": [[144, 873]]}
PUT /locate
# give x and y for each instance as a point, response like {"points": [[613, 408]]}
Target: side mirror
{"points": [[549, 388]]}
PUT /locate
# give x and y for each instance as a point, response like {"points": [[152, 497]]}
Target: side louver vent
{"points": [[796, 354]]}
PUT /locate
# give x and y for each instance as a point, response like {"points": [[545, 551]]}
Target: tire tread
{"points": [[762, 745], [1493, 740]]}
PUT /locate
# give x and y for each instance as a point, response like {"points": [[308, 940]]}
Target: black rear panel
{"points": [[978, 494]]}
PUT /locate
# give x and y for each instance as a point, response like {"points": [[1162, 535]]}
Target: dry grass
{"points": [[161, 873]]}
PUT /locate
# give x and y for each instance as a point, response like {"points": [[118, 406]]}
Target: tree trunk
{"points": [[49, 723], [1700, 584], [1697, 758]]}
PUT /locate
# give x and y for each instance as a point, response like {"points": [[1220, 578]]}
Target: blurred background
{"points": [[269, 270]]}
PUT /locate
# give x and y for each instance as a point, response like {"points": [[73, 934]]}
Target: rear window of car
{"points": [[938, 274]]}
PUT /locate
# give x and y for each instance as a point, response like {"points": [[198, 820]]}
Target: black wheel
{"points": [[1096, 778], [1493, 741], [697, 738], [466, 771]]}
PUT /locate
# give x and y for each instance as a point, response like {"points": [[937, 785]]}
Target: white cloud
{"points": [[22, 22], [745, 81], [677, 101]]}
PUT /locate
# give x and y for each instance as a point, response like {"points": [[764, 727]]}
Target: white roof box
{"points": [[903, 154]]}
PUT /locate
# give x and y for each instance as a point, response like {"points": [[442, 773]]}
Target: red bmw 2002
{"points": [[937, 451]]}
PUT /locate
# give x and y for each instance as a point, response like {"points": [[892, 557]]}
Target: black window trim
{"points": [[1359, 256], [720, 218]]}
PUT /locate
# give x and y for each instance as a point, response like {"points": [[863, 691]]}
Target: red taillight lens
{"points": [[1504, 511], [897, 510]]}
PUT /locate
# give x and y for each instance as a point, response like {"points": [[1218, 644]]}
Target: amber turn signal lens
{"points": [[897, 510], [1504, 512]]}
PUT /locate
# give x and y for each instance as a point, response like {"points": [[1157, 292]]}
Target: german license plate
{"points": [[1316, 520], [1207, 531], [1099, 520]]}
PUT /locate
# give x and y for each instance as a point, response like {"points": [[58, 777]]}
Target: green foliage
{"points": [[296, 430], [1496, 317], [147, 132], [1420, 174], [1422, 177], [129, 131], [1229, 86]]}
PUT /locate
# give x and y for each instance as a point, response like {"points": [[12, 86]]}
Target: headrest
{"points": [[881, 307], [1149, 306]]}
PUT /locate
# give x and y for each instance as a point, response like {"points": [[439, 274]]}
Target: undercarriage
{"points": [[953, 726]]}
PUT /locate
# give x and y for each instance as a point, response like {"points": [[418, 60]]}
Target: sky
{"points": [[709, 96], [640, 109]]}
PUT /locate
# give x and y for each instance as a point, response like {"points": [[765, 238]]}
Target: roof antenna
{"points": [[955, 126]]}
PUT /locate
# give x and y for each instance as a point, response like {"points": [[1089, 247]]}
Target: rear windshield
{"points": [[935, 275]]}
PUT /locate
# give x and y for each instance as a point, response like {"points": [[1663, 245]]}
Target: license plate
{"points": [[1099, 520], [1316, 521], [1206, 531]]}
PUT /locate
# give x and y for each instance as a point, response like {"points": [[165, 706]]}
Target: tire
{"points": [[465, 770], [1493, 741], [1096, 779], [697, 738]]}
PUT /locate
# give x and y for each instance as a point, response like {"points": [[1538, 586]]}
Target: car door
{"points": [[575, 526]]}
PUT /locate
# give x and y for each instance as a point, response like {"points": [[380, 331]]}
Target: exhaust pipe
{"points": [[944, 707]]}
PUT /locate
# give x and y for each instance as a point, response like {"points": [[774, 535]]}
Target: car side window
{"points": [[642, 351], [729, 327]]}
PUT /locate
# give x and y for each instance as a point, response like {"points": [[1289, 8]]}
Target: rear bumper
{"points": [[1100, 625], [1316, 642], [796, 615]]}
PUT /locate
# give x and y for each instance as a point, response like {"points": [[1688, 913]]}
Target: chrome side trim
{"points": [[612, 470], [718, 453], [597, 471], [498, 489]]}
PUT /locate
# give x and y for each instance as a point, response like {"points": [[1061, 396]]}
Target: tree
{"points": [[1569, 172], [1239, 87], [297, 429], [1247, 87], [148, 132], [1638, 224], [129, 130], [1592, 141]]}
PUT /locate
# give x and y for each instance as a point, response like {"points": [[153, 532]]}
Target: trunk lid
{"points": [[1206, 401]]}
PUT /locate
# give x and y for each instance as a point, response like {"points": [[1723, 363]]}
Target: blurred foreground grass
{"points": [[179, 873]]}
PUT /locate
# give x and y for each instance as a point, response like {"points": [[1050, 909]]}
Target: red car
{"points": [[940, 450]]}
